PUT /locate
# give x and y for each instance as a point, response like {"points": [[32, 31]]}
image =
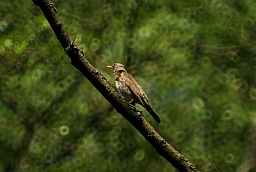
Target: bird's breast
{"points": [[123, 89]]}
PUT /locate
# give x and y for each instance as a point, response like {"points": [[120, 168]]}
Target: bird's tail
{"points": [[153, 113]]}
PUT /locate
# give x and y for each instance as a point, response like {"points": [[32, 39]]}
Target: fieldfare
{"points": [[128, 87]]}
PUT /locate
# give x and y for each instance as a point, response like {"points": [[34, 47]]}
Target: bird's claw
{"points": [[136, 110]]}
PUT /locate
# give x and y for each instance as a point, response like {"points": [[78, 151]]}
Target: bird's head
{"points": [[116, 67]]}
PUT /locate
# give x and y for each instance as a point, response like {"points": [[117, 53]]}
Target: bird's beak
{"points": [[110, 67]]}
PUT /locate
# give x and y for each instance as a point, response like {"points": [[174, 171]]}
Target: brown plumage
{"points": [[128, 87]]}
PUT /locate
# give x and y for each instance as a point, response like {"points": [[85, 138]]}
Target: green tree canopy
{"points": [[195, 59]]}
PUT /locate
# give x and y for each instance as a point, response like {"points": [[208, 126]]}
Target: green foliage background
{"points": [[195, 59]]}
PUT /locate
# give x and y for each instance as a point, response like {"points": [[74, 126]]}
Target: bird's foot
{"points": [[136, 110]]}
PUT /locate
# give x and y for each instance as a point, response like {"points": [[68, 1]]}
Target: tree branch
{"points": [[102, 85]]}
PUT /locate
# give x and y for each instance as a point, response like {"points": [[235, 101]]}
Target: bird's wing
{"points": [[140, 95], [135, 89]]}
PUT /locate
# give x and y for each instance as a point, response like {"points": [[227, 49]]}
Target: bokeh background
{"points": [[195, 59]]}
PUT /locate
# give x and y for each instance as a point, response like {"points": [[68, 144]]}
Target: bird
{"points": [[128, 87]]}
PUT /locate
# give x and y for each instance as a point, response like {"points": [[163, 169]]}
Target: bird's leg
{"points": [[131, 102]]}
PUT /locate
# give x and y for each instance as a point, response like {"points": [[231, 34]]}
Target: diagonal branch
{"points": [[102, 85]]}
